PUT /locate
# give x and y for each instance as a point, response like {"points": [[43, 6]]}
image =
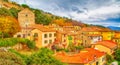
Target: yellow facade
{"points": [[94, 32], [103, 48], [99, 61], [117, 34], [41, 38], [107, 35], [117, 40], [37, 38]]}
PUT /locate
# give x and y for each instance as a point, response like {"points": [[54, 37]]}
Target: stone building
{"points": [[26, 18]]}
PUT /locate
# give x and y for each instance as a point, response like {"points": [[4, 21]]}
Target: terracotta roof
{"points": [[73, 33], [42, 28], [62, 32], [94, 35], [85, 56], [107, 43], [94, 29]]}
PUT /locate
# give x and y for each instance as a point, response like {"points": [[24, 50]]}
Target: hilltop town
{"points": [[72, 44]]}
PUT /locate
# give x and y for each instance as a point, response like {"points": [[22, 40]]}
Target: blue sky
{"points": [[100, 12]]}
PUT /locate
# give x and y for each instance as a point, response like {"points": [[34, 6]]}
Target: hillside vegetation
{"points": [[41, 17]]}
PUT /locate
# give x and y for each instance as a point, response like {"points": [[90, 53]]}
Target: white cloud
{"points": [[93, 11], [101, 13]]}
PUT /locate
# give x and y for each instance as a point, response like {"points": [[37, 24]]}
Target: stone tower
{"points": [[26, 18]]}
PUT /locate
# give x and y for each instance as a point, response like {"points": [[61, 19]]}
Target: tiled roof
{"points": [[94, 35], [94, 29], [42, 28], [85, 56], [107, 43]]}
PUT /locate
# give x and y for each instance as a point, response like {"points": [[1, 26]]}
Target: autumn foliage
{"points": [[62, 22], [9, 25]]}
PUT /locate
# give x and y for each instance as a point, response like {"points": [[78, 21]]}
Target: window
{"points": [[64, 35], [18, 35], [26, 15], [85, 41], [103, 59], [45, 35], [35, 34], [28, 34], [64, 40], [50, 35], [50, 41], [45, 41], [23, 35], [97, 63], [54, 34]]}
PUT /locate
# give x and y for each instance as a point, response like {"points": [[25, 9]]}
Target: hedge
{"points": [[13, 41]]}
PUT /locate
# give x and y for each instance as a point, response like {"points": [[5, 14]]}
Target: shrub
{"points": [[13, 41], [8, 58]]}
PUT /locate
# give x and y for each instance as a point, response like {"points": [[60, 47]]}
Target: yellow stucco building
{"points": [[105, 46], [107, 35], [42, 36]]}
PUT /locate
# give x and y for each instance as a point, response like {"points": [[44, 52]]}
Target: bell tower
{"points": [[26, 18]]}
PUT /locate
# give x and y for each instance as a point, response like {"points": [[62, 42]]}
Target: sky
{"points": [[97, 12]]}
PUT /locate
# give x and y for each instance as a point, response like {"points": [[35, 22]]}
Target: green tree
{"points": [[5, 12], [6, 42], [8, 58], [109, 58], [44, 57], [42, 18], [25, 6], [24, 57], [117, 54], [14, 12], [6, 0]]}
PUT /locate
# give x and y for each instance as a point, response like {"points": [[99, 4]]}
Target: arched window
{"points": [[18, 35]]}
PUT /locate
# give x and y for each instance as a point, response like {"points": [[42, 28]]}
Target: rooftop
{"points": [[41, 28], [94, 35], [94, 29], [85, 56], [107, 43]]}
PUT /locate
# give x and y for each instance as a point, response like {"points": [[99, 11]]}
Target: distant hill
{"points": [[114, 28], [42, 17]]}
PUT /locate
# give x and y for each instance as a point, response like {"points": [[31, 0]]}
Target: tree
{"points": [[5, 12], [6, 0], [24, 57], [44, 57], [7, 42], [42, 18], [14, 12], [8, 58], [117, 54], [25, 6], [59, 21], [9, 25], [109, 58]]}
